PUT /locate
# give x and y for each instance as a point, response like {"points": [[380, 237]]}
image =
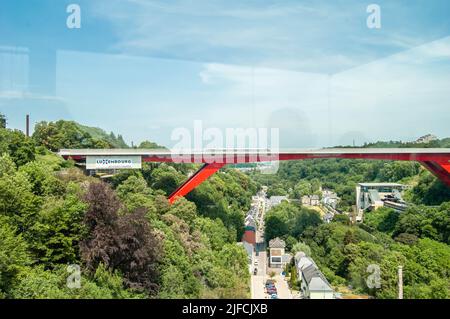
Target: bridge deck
{"points": [[322, 151], [436, 160]]}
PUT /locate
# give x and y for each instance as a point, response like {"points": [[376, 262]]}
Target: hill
{"points": [[70, 134], [100, 134]]}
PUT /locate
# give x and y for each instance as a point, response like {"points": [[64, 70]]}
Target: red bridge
{"points": [[436, 160]]}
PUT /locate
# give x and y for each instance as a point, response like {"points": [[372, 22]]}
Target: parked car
{"points": [[255, 271]]}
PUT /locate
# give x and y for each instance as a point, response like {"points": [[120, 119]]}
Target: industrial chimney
{"points": [[27, 125]]}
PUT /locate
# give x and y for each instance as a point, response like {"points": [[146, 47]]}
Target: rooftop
{"points": [[381, 184], [277, 199], [314, 278], [277, 243]]}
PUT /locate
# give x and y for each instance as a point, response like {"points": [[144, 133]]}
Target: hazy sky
{"points": [[313, 69]]}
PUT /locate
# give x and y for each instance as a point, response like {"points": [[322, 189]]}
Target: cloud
{"points": [[310, 36], [400, 97]]}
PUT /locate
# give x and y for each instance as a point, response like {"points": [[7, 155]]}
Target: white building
{"points": [[275, 200], [276, 253], [313, 283], [330, 198], [426, 138], [370, 196]]}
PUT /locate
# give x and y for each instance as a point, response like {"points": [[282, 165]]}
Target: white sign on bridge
{"points": [[113, 162]]}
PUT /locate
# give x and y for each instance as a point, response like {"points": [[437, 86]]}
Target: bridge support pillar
{"points": [[440, 170], [192, 182]]}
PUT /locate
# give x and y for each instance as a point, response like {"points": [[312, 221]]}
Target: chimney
{"points": [[27, 125]]}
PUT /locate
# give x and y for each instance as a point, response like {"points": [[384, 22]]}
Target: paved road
{"points": [[258, 287], [282, 288], [258, 281]]}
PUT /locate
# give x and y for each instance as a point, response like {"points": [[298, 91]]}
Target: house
{"points": [[313, 283], [306, 200], [315, 200], [276, 200], [426, 138], [276, 253], [249, 230], [330, 198], [311, 200]]}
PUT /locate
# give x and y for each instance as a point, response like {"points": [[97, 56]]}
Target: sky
{"points": [[312, 69]]}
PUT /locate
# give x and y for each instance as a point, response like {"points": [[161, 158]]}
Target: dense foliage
{"points": [[344, 253], [123, 234], [417, 239], [130, 243], [69, 134]]}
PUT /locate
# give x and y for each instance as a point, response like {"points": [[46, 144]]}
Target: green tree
{"points": [[58, 229], [43, 180], [383, 219], [13, 255], [7, 166], [407, 239], [293, 281], [234, 258], [185, 210], [150, 145], [38, 283], [274, 227], [2, 121], [17, 145], [215, 231], [301, 246], [290, 242], [409, 222], [69, 134], [166, 178], [16, 198], [430, 190], [302, 188], [341, 218], [134, 193], [172, 283], [306, 218]]}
